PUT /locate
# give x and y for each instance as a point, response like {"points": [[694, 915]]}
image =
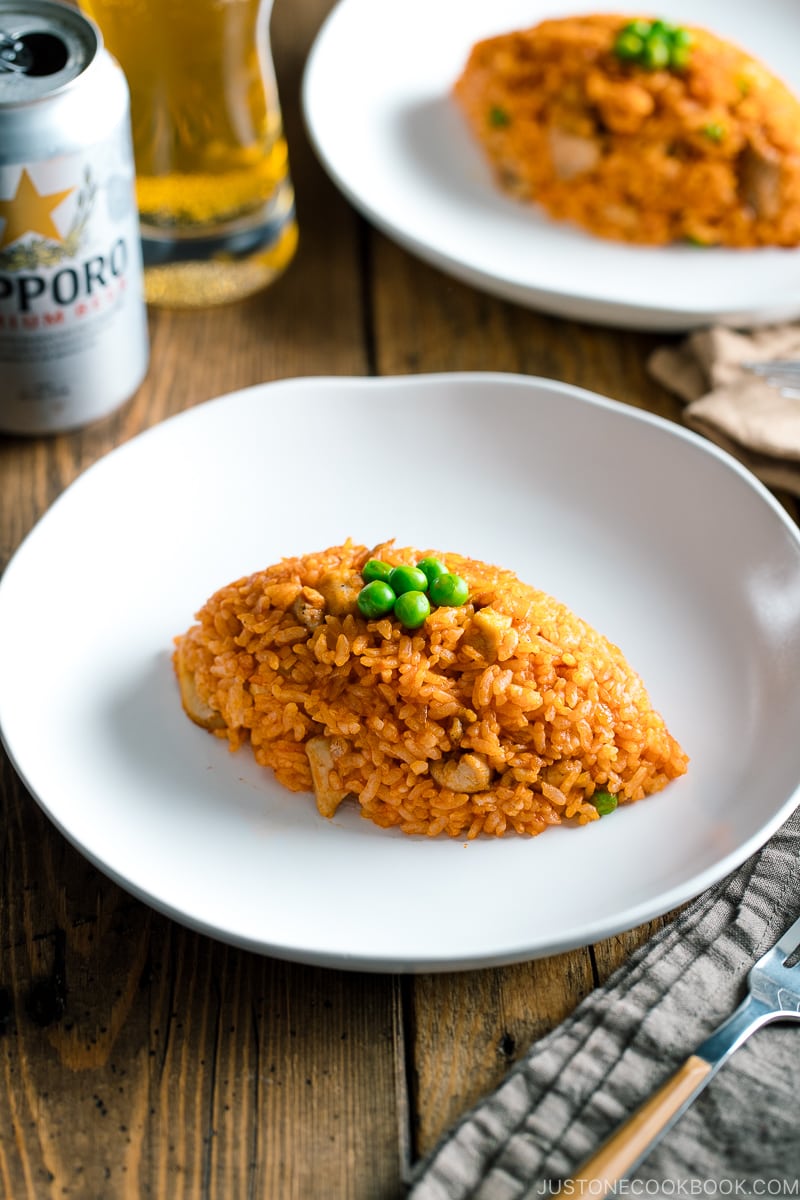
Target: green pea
{"points": [[604, 802], [680, 47], [714, 132], [375, 569], [655, 53], [432, 568], [407, 579], [654, 44], [498, 117], [375, 600], [411, 609], [679, 57], [449, 590], [629, 45]]}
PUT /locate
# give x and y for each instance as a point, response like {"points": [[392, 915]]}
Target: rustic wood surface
{"points": [[140, 1059]]}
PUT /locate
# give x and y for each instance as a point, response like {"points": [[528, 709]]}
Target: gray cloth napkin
{"points": [[733, 407], [575, 1086]]}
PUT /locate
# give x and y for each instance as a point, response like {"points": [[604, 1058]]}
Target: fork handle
{"points": [[628, 1145]]}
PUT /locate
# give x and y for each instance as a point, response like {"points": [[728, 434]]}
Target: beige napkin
{"points": [[734, 408]]}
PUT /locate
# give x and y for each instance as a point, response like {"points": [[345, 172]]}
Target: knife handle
{"points": [[629, 1144]]}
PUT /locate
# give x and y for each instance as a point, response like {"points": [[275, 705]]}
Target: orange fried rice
{"points": [[508, 713], [707, 152]]}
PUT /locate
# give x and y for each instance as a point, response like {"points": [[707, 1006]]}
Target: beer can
{"points": [[73, 327]]}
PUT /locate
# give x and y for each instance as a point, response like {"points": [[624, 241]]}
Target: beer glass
{"points": [[213, 187]]}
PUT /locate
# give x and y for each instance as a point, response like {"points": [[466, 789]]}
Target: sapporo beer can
{"points": [[73, 328]]}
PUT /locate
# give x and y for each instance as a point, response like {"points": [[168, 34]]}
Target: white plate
{"points": [[654, 536], [378, 108]]}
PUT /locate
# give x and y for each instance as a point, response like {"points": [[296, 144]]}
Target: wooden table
{"points": [[140, 1059]]}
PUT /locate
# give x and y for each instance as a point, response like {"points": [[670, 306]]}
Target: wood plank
{"points": [[140, 1058], [143, 1059], [426, 321], [467, 1029]]}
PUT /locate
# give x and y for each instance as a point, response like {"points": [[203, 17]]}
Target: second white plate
{"points": [[378, 108]]}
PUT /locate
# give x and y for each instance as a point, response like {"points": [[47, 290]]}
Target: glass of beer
{"points": [[213, 187]]}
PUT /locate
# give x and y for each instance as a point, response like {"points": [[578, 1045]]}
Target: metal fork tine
{"points": [[773, 364], [781, 373], [784, 948], [779, 370], [790, 940]]}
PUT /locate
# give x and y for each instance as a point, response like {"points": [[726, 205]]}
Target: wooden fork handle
{"points": [[626, 1147]]}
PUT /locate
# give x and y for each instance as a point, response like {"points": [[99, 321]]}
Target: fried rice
{"points": [[507, 713], [708, 153]]}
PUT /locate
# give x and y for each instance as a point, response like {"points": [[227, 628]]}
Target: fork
{"points": [[773, 995], [783, 373]]}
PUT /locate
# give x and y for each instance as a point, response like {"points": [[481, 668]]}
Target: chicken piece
{"points": [[309, 607], [571, 153], [485, 633], [322, 755], [282, 595], [623, 105], [470, 773], [761, 182], [339, 590], [193, 704]]}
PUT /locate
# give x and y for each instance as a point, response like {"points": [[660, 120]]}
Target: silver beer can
{"points": [[73, 326]]}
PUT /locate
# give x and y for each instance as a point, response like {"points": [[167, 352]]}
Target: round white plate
{"points": [[378, 108], [658, 539]]}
